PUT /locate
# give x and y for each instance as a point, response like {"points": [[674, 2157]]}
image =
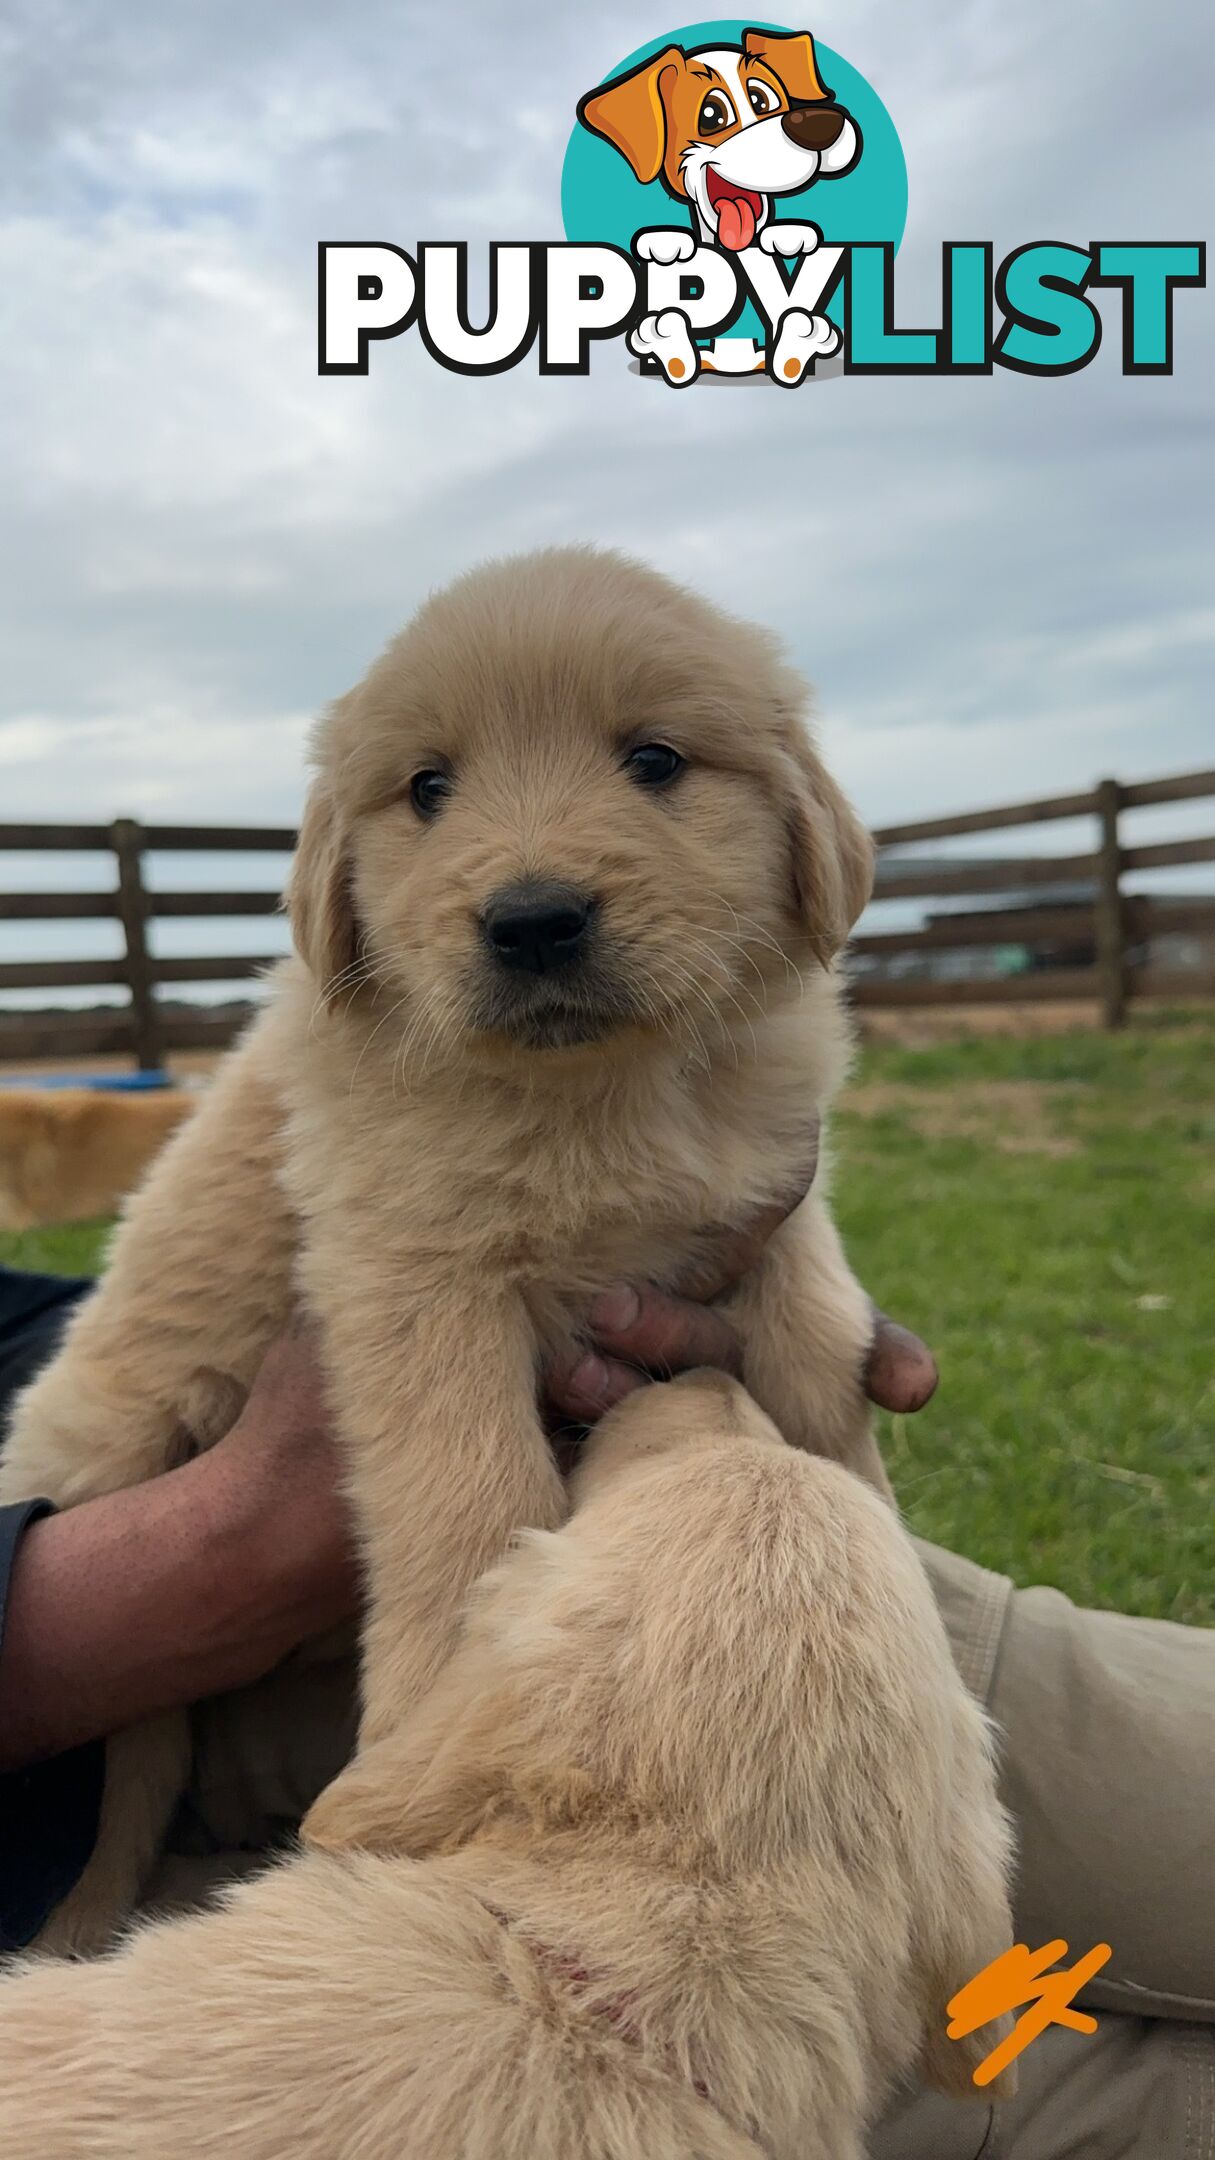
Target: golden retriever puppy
{"points": [[568, 891], [687, 1850]]}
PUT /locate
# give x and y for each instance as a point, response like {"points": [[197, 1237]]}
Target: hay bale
{"points": [[73, 1154]]}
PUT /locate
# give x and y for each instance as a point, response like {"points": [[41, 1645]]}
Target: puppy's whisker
{"points": [[761, 936], [372, 976], [651, 1010], [689, 981], [401, 1056], [412, 1030], [733, 994], [421, 1024], [739, 945], [403, 1048], [371, 1038], [730, 992], [665, 1020], [727, 991], [662, 1020], [355, 973], [381, 983], [730, 983], [441, 1032], [353, 977], [436, 1015], [765, 938]]}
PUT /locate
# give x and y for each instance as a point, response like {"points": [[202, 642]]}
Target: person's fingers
{"points": [[292, 1358], [726, 1254], [640, 1333], [637, 1335], [661, 1334], [590, 1388], [287, 1402], [900, 1371]]}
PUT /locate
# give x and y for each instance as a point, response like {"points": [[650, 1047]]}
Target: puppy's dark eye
{"points": [[653, 764], [715, 114], [762, 96], [428, 791]]}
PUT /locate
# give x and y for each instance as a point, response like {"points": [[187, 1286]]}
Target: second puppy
{"points": [[687, 1852]]}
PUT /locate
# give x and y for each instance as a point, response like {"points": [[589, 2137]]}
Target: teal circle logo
{"points": [[604, 199]]}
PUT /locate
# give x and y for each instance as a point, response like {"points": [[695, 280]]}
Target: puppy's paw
{"points": [[789, 239], [666, 244], [802, 339], [667, 338]]}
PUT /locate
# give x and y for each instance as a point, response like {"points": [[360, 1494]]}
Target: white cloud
{"points": [[1000, 586]]}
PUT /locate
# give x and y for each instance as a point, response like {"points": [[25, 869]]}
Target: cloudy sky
{"points": [[999, 586]]}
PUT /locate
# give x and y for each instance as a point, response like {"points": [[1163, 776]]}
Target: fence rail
{"points": [[146, 1027], [1095, 946]]}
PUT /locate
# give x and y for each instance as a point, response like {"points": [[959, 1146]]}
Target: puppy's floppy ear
{"points": [[791, 58], [630, 112], [319, 897], [832, 852]]}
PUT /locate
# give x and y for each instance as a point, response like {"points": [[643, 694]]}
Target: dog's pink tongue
{"points": [[735, 222]]}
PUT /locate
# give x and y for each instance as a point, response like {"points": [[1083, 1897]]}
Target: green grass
{"points": [[1042, 1211], [73, 1249]]}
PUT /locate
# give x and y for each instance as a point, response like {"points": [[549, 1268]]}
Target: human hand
{"points": [[640, 1333], [643, 1334], [275, 1482], [186, 1586]]}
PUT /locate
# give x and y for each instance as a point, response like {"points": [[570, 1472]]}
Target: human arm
{"points": [[202, 1579], [185, 1586]]}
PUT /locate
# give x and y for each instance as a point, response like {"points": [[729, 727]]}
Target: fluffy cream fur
{"points": [[445, 1183], [689, 1847]]}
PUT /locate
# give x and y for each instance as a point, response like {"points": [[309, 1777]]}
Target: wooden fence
{"points": [[1109, 927], [145, 1027], [1118, 927]]}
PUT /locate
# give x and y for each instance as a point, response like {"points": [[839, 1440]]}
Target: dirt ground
{"points": [[184, 1066], [949, 1023]]}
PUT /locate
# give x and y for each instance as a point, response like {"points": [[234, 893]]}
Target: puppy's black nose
{"points": [[537, 928], [814, 127]]}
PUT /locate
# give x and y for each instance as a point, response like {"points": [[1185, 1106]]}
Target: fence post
{"points": [[1111, 923], [126, 838]]}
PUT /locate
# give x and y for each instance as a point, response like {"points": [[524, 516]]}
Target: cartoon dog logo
{"points": [[726, 129]]}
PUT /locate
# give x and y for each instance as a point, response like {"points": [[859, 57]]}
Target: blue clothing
{"points": [[49, 1813]]}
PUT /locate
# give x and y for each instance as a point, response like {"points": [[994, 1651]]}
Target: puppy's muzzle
{"points": [[537, 929], [814, 127]]}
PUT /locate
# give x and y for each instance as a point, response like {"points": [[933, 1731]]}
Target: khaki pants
{"points": [[1108, 1765]]}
